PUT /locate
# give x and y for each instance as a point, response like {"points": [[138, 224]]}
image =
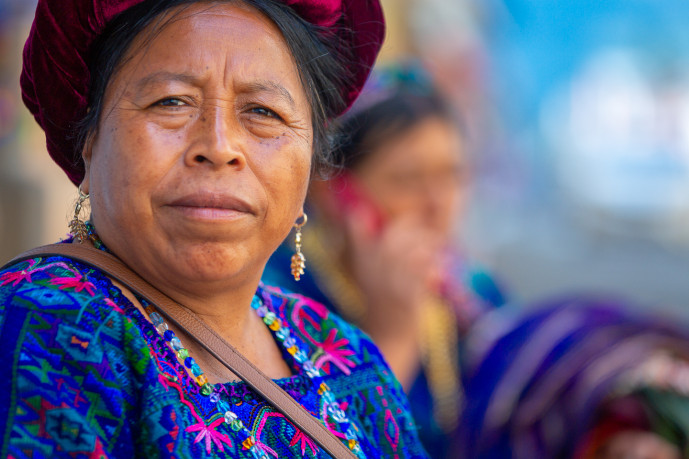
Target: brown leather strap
{"points": [[203, 334]]}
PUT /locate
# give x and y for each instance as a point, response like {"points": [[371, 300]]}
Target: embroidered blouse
{"points": [[470, 293], [85, 374]]}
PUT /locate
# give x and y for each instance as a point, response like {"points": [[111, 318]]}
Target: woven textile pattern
{"points": [[85, 374]]}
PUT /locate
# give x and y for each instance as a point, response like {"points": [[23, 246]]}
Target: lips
{"points": [[208, 204]]}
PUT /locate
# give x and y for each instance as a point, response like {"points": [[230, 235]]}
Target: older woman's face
{"points": [[201, 161]]}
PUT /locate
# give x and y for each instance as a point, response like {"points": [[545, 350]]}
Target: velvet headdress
{"points": [[55, 77]]}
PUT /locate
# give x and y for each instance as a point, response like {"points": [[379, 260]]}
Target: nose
{"points": [[218, 140], [438, 201]]}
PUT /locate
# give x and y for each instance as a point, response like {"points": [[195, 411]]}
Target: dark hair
{"points": [[318, 55], [365, 130]]}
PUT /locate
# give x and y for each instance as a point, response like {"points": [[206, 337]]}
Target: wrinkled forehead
{"points": [[231, 44], [192, 31], [432, 142], [207, 14]]}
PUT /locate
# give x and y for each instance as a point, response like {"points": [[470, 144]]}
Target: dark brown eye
{"points": [[170, 102], [265, 112]]}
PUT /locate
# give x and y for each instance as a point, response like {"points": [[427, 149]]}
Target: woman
{"points": [[193, 126], [378, 244]]}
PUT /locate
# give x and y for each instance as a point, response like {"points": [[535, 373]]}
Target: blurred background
{"points": [[577, 113]]}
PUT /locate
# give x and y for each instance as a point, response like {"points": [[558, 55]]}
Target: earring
{"points": [[298, 259], [77, 226]]}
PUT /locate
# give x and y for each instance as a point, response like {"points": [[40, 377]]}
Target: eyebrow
{"points": [[166, 76], [272, 87], [253, 87]]}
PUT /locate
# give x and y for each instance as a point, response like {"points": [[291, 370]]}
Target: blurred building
{"points": [[35, 196]]}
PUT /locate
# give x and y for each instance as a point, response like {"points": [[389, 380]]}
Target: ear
{"points": [[86, 155]]}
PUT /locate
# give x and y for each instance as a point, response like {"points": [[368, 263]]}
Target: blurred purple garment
{"points": [[538, 387]]}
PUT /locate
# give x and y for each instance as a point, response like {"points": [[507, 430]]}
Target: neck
{"points": [[223, 304], [227, 311], [232, 317]]}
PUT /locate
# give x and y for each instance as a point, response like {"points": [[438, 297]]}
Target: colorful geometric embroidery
{"points": [[85, 374]]}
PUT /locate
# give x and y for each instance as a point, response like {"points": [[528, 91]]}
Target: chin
{"points": [[216, 262]]}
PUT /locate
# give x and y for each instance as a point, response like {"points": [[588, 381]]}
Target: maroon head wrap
{"points": [[55, 78]]}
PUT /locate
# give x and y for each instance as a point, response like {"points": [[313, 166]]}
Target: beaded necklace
{"points": [[282, 334], [438, 337]]}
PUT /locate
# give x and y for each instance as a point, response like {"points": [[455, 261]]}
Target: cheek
{"points": [[389, 199], [125, 170], [461, 200], [402, 205], [301, 172], [286, 176]]}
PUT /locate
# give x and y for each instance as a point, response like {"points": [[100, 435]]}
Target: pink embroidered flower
{"points": [[302, 313], [15, 277], [98, 451], [299, 312], [18, 276], [335, 351], [78, 283], [266, 449], [210, 435], [259, 430], [113, 305], [304, 440]]}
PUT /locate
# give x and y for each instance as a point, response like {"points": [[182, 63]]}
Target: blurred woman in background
{"points": [[379, 242], [577, 378]]}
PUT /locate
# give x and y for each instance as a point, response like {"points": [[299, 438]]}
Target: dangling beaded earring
{"points": [[298, 259], [77, 226]]}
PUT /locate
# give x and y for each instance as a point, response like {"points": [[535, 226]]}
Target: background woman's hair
{"points": [[391, 114], [320, 60]]}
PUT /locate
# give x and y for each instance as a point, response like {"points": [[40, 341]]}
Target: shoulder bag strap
{"points": [[203, 334]]}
